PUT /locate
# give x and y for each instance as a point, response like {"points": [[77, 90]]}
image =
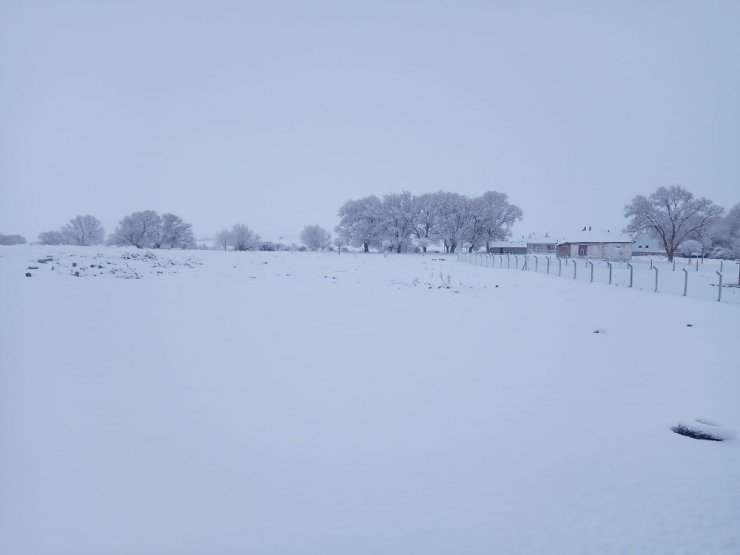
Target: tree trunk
{"points": [[366, 246]]}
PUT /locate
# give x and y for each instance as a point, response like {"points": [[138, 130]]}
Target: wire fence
{"points": [[710, 279]]}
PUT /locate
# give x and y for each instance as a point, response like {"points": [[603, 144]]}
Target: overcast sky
{"points": [[273, 113]]}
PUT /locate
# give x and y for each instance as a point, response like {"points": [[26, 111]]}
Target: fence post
{"points": [[685, 280], [610, 271], [592, 271], [575, 268], [719, 293], [656, 278], [651, 263], [548, 265], [516, 262], [721, 265], [508, 262], [697, 264], [536, 262], [738, 272], [631, 272], [674, 264], [560, 267], [526, 263]]}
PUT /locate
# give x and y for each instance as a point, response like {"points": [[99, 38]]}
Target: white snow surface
{"points": [[293, 403]]}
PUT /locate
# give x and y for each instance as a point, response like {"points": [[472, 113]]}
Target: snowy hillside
{"points": [[293, 403]]}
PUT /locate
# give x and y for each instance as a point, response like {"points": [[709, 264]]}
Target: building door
{"points": [[582, 250]]}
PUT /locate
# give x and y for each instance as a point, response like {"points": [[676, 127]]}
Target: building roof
{"points": [[507, 244], [595, 236], [541, 238]]}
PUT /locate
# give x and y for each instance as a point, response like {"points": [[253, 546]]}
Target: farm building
{"points": [[507, 247], [647, 245], [541, 244], [592, 244]]}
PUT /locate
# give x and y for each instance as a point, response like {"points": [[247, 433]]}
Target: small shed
{"points": [[590, 244]]}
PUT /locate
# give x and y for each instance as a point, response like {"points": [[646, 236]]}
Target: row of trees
{"points": [[679, 221], [145, 229], [450, 218], [238, 238]]}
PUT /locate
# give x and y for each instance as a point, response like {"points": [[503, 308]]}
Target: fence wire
{"points": [[717, 280]]}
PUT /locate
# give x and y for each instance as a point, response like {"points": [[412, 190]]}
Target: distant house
{"points": [[594, 244], [507, 247], [541, 244]]}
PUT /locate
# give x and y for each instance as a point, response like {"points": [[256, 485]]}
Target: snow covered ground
{"points": [[286, 403]]}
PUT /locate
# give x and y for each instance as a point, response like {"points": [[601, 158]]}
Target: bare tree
{"points": [[84, 231], [315, 238], [672, 215]]}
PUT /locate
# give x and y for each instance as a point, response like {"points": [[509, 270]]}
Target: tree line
{"points": [[145, 229], [402, 219], [406, 222]]}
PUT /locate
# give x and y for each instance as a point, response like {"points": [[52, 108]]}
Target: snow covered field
{"points": [[292, 403]]}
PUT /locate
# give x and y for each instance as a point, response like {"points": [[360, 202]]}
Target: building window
{"points": [[582, 250]]}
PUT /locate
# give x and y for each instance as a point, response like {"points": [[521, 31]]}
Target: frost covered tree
{"points": [[725, 234], [340, 243], [80, 230], [223, 239], [423, 224], [315, 238], [691, 247], [397, 217], [12, 239], [140, 230], [454, 218], [498, 215], [672, 215], [52, 238], [241, 238], [361, 223], [174, 232], [84, 231]]}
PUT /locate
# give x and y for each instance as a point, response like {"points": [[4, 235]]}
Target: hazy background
{"points": [[275, 113]]}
